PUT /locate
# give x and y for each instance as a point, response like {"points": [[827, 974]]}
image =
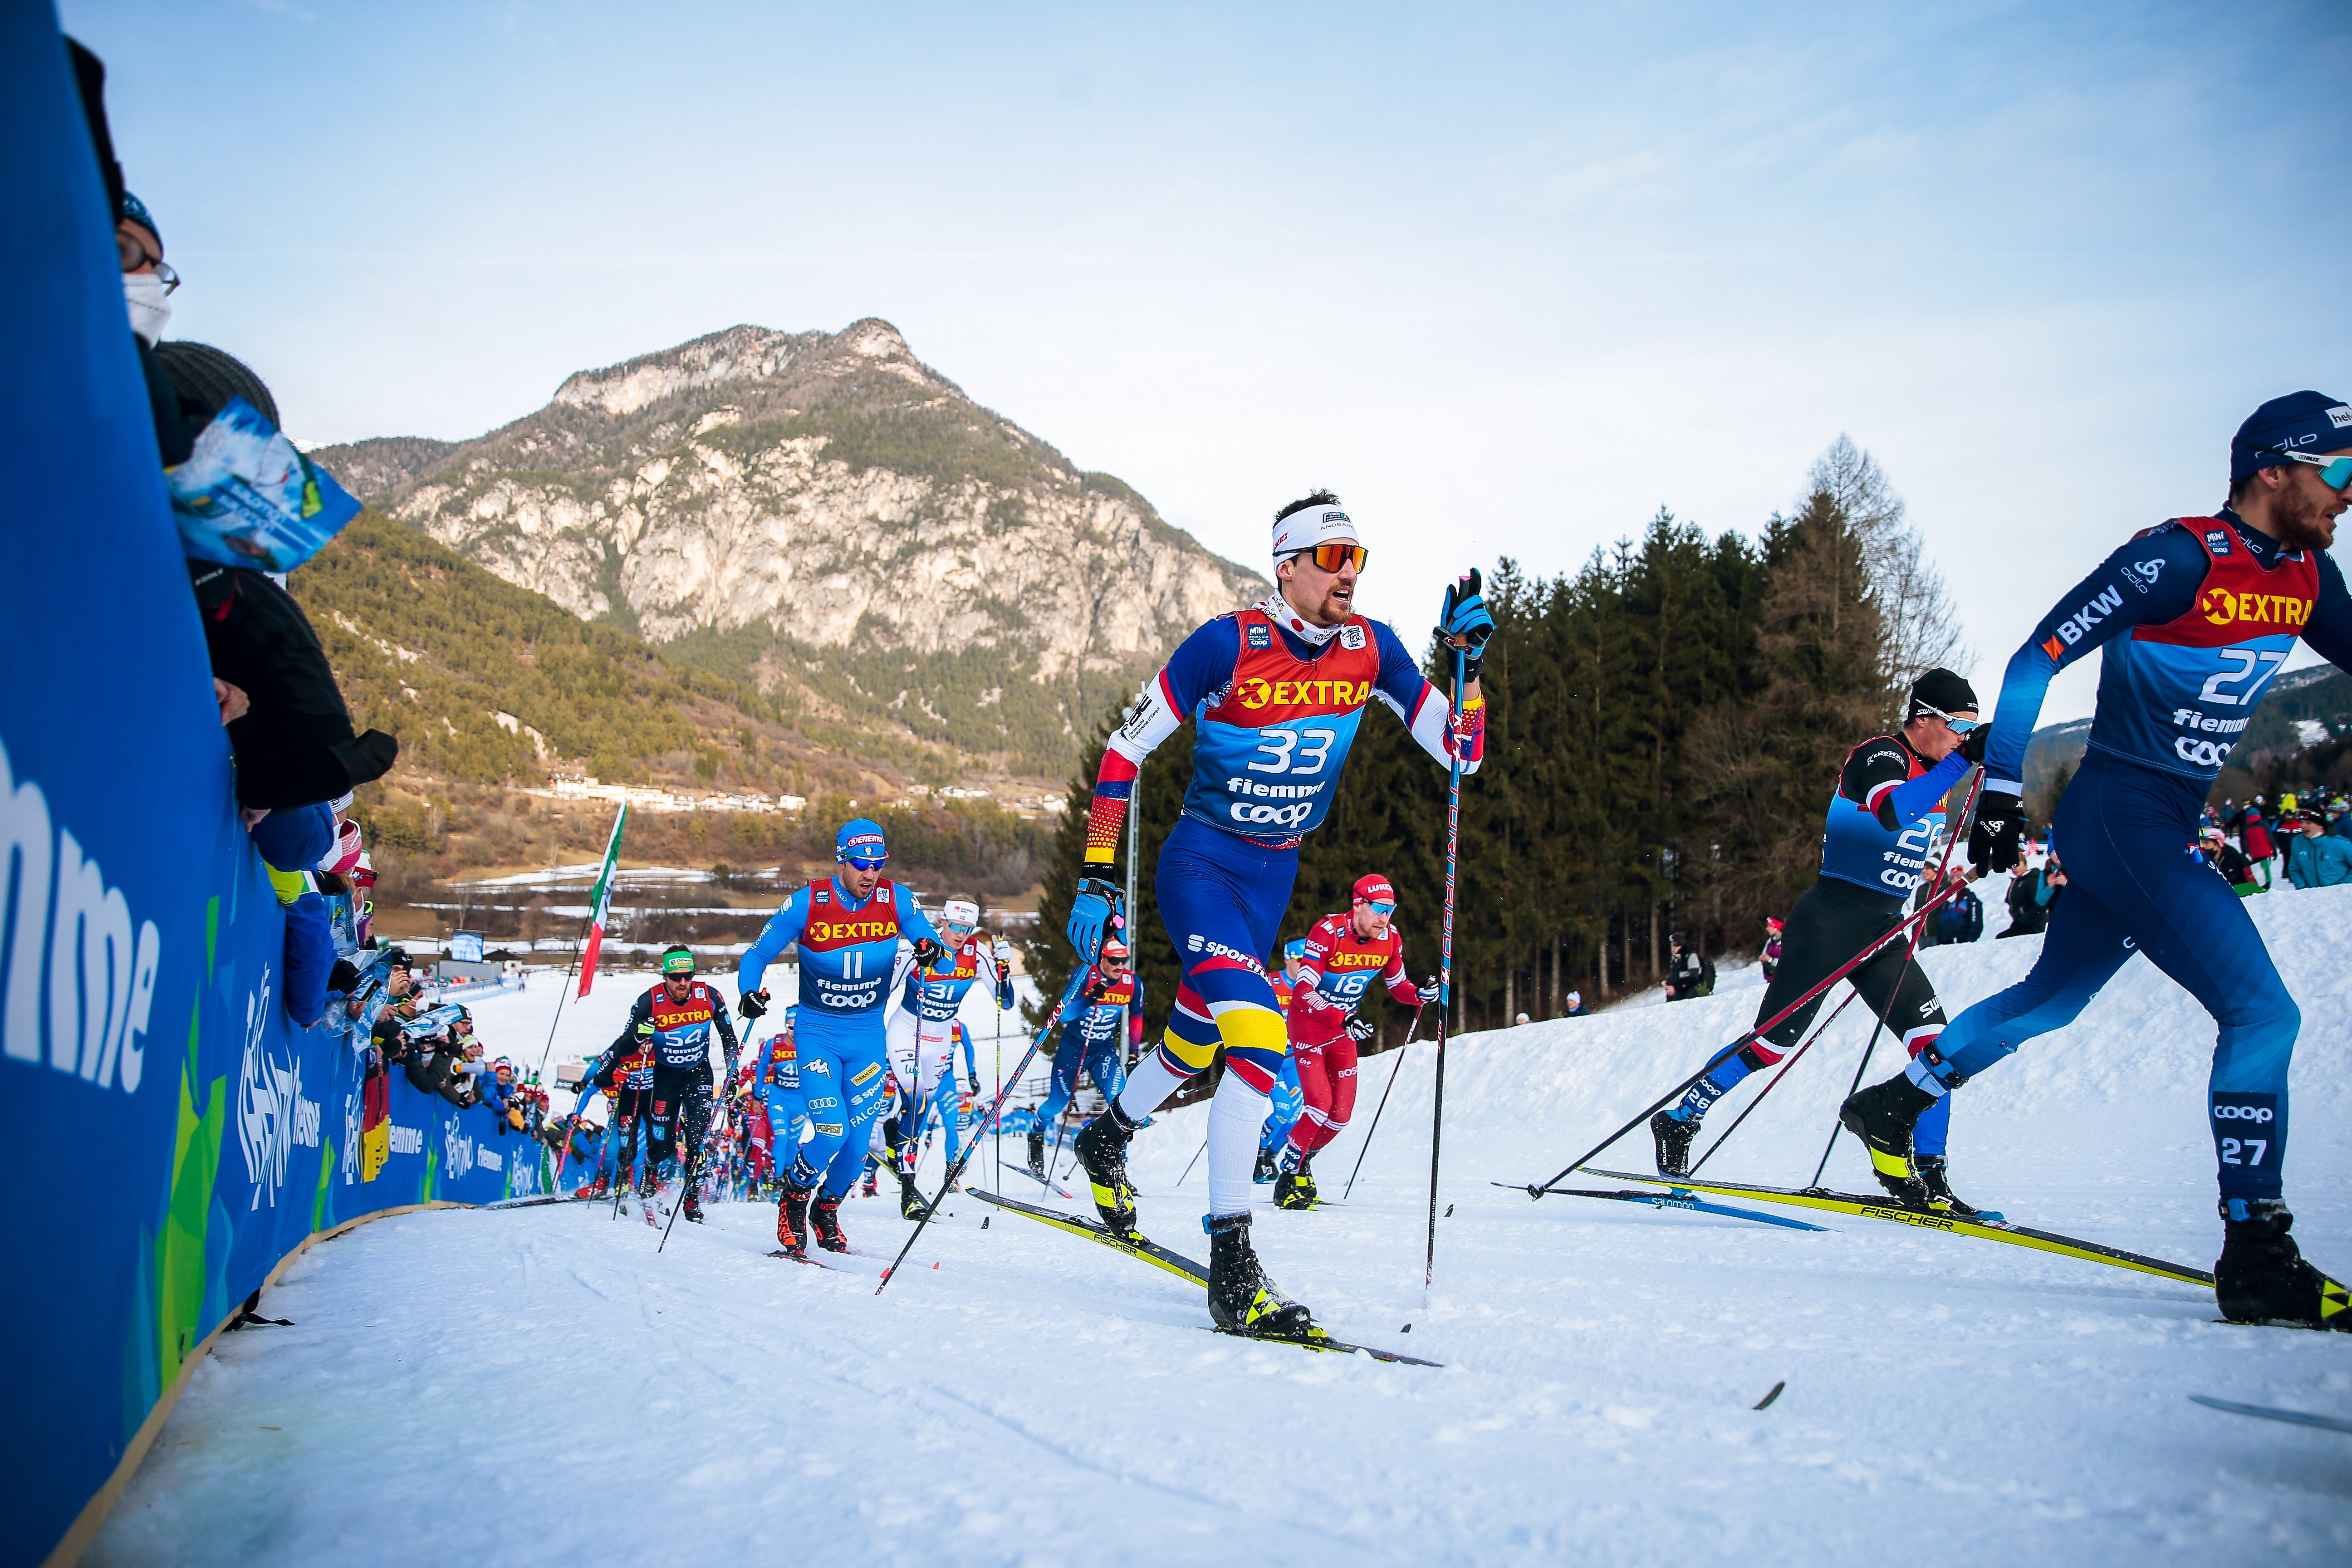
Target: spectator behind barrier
{"points": [[2316, 859]]}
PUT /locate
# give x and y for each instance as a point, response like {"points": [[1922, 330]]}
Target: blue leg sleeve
{"points": [[1934, 1127], [1106, 1065], [1283, 1106], [865, 1065], [1067, 1058], [944, 1098]]}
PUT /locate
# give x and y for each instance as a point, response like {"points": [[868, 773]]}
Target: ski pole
{"points": [[1870, 950], [694, 1168], [1194, 1160], [1445, 976], [1819, 1030], [1902, 971], [1068, 992], [1383, 1105]]}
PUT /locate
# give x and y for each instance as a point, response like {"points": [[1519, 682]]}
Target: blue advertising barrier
{"points": [[168, 1135]]}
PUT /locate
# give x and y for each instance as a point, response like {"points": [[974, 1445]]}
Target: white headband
{"points": [[959, 912], [1310, 526]]}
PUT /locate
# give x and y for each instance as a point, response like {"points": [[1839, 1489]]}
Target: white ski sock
{"points": [[1236, 1118], [1148, 1086]]}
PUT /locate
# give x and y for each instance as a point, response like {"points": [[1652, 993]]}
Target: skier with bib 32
{"points": [[1276, 692], [2196, 616]]}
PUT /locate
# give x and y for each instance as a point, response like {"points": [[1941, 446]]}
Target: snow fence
{"points": [[169, 1137]]}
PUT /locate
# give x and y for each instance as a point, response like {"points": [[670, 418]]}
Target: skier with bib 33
{"points": [[1883, 834], [2196, 616], [848, 929], [1276, 692]]}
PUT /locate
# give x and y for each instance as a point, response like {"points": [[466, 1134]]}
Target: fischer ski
{"points": [[1887, 1209], [1175, 1263], [1679, 1197], [2271, 1413]]}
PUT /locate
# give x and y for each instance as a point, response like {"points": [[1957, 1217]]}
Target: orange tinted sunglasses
{"points": [[1331, 557]]}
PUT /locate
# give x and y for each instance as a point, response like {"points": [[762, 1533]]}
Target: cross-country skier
{"points": [[1276, 692], [921, 1032], [2197, 615], [1343, 955], [676, 1018], [626, 1073], [776, 1083], [848, 929], [1883, 834], [1287, 1100], [1097, 1032]]}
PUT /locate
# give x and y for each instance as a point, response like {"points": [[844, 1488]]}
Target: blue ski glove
{"points": [[1466, 623], [1090, 911]]}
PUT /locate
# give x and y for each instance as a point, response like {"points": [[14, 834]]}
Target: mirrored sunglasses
{"points": [[2334, 472], [1331, 557], [1959, 726], [1389, 909], [863, 863]]}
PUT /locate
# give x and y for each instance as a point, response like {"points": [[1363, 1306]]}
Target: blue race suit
{"points": [[921, 1032], [1108, 1017], [776, 1079], [2212, 608], [848, 953]]}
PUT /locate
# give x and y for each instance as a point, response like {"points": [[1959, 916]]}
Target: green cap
{"points": [[678, 962]]}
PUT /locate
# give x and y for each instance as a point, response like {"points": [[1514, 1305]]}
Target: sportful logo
{"points": [[101, 985], [272, 1116], [2224, 608]]}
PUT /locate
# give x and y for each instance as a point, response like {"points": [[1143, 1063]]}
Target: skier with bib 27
{"points": [[1276, 692], [1883, 834], [2196, 616], [848, 929]]}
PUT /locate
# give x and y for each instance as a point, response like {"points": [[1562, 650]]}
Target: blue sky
{"points": [[1507, 278]]}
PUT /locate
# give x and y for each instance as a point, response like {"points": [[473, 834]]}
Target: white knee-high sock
{"points": [[1236, 1118], [1148, 1086]]}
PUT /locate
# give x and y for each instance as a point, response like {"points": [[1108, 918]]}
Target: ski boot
{"points": [[1293, 1190], [1940, 1196], [873, 1179], [792, 1221], [1883, 1116], [1037, 1151], [1264, 1170], [2262, 1276], [824, 1218], [691, 1205], [1674, 1138], [1242, 1300], [911, 1197], [1102, 1150]]}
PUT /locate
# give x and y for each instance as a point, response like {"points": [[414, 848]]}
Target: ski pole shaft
{"points": [[1194, 1160], [1383, 1105], [1870, 950], [1445, 976], [1945, 891], [1818, 1030], [693, 1171], [1069, 992]]}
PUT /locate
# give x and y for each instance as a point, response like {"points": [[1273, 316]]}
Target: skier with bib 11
{"points": [[2196, 615], [848, 928], [1276, 692]]}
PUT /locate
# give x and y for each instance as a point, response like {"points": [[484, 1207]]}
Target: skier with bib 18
{"points": [[921, 1032], [2196, 615], [848, 929], [1276, 692], [1342, 955], [1883, 834]]}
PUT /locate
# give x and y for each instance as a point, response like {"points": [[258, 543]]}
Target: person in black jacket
{"points": [[1689, 973]]}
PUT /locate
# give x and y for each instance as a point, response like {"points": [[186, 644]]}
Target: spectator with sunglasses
{"points": [[1883, 837], [1341, 958], [2196, 616]]}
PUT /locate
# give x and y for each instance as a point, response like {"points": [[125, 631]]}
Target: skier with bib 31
{"points": [[1276, 692], [921, 1032], [2196, 616], [848, 929]]}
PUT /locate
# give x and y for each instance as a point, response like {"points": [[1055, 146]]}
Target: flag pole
{"points": [[597, 903]]}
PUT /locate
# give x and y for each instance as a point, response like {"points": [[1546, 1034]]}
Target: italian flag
{"points": [[603, 898]]}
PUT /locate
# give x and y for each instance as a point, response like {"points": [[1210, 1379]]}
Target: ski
{"points": [[533, 1203], [2269, 1413], [1150, 1252], [1047, 1183], [1159, 1257], [1881, 1208], [1676, 1198], [1327, 1343]]}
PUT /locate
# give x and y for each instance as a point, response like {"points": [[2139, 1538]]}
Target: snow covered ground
{"points": [[537, 1386]]}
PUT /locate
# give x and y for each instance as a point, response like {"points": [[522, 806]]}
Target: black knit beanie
{"points": [[1942, 691], [205, 378]]}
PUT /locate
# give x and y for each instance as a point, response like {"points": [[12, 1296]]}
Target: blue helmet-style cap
{"points": [[2299, 421], [860, 839], [1295, 948]]}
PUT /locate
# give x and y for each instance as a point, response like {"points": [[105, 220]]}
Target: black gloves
{"points": [[2000, 822], [1972, 745], [926, 952], [753, 1004]]}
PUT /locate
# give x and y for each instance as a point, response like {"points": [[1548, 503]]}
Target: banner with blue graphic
{"points": [[168, 1134]]}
